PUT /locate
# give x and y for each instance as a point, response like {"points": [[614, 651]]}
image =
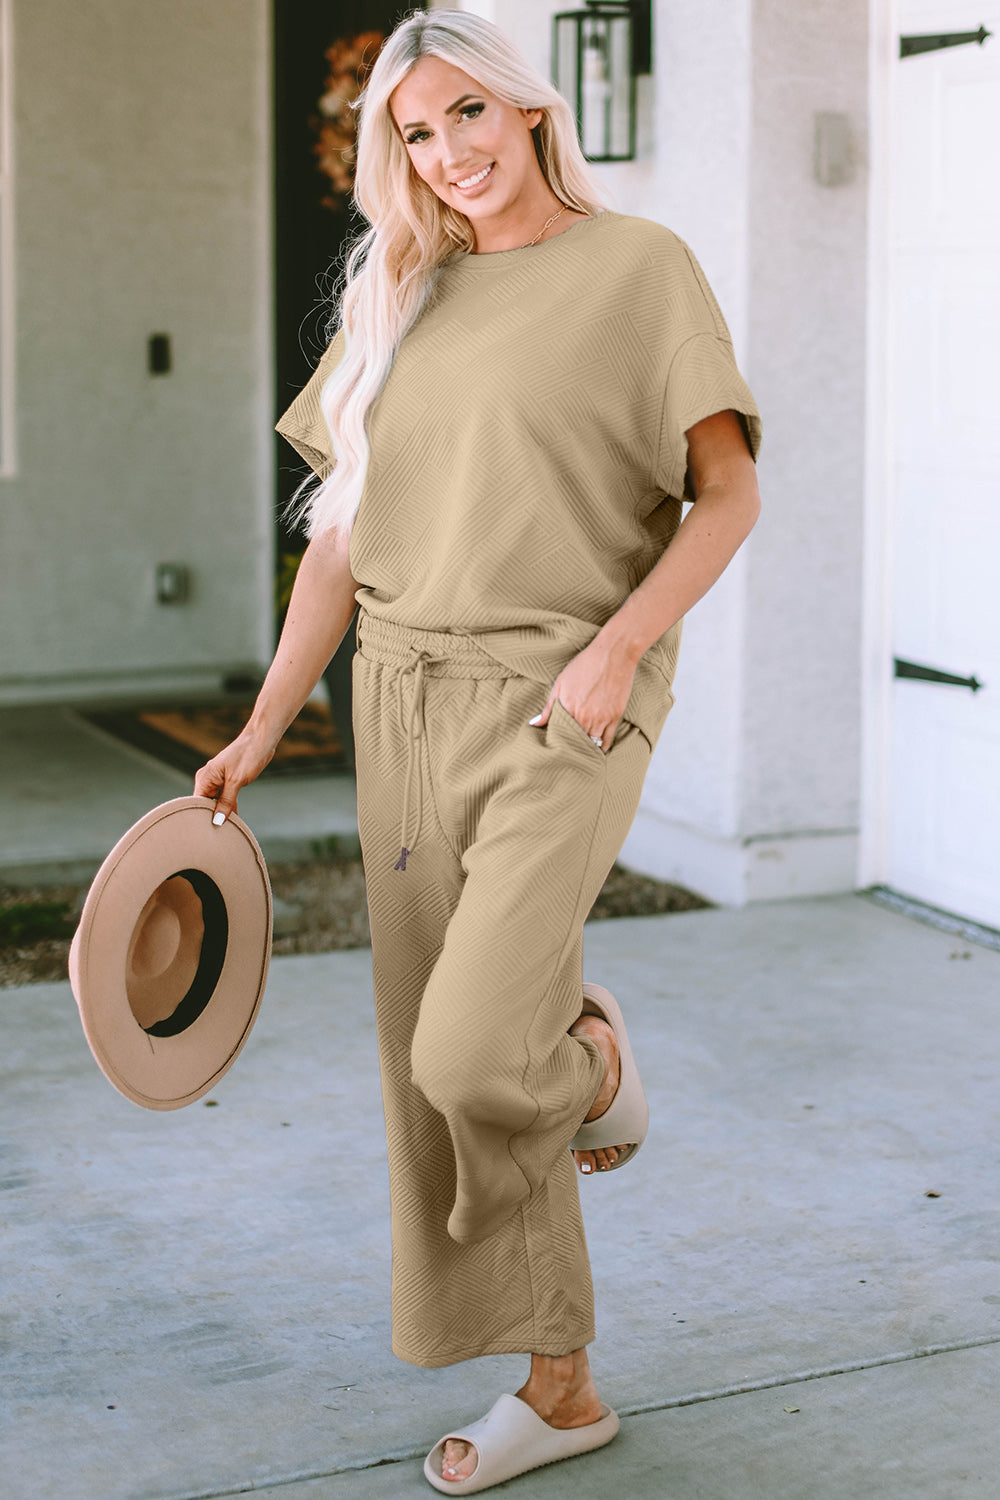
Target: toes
{"points": [[596, 1161], [458, 1460], [600, 1160]]}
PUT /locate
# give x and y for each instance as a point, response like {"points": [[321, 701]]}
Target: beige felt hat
{"points": [[169, 961]]}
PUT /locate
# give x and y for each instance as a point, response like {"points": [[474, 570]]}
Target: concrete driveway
{"points": [[798, 1280]]}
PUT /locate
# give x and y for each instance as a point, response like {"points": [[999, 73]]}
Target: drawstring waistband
{"points": [[412, 732], [413, 652]]}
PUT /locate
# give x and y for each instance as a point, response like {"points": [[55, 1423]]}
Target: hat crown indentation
{"points": [[156, 942], [165, 950]]}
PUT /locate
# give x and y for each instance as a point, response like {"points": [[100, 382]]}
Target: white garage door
{"points": [[945, 812]]}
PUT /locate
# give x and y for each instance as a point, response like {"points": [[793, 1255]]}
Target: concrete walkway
{"points": [[196, 1303], [68, 791]]}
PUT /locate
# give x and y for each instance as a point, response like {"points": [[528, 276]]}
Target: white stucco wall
{"points": [[753, 790], [141, 144], [694, 175], [807, 333], [787, 822]]}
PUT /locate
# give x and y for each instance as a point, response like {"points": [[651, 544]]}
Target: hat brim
{"points": [[157, 1071]]}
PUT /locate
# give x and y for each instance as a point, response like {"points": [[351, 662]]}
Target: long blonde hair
{"points": [[392, 266]]}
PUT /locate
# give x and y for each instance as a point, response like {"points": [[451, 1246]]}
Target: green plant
{"points": [[31, 922]]}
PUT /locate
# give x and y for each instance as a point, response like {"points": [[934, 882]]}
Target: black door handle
{"points": [[931, 674], [909, 46]]}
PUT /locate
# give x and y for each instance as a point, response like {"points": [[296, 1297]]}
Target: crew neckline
{"points": [[469, 258]]}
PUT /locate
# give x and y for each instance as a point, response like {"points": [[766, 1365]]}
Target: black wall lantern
{"points": [[597, 54]]}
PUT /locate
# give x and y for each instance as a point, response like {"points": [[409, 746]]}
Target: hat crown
{"points": [[156, 942], [164, 951]]}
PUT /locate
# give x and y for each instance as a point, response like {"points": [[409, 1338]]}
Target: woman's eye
{"points": [[470, 108]]}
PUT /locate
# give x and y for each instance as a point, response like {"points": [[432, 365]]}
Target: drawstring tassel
{"points": [[412, 728]]}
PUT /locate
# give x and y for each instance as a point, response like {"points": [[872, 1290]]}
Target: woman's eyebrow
{"points": [[449, 111]]}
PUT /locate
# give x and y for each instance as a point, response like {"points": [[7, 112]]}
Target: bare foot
{"points": [[560, 1389], [600, 1032]]}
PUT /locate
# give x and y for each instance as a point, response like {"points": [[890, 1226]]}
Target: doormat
{"points": [[186, 735]]}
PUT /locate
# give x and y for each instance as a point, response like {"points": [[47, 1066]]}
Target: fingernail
{"points": [[219, 819], [536, 718]]}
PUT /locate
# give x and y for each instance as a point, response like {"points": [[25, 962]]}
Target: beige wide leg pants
{"points": [[485, 843]]}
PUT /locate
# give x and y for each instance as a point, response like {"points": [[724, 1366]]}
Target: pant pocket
{"points": [[624, 730]]}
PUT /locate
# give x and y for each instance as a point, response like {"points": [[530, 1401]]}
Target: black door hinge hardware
{"points": [[931, 674], [909, 46]]}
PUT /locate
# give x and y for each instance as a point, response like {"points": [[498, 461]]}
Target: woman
{"points": [[523, 389]]}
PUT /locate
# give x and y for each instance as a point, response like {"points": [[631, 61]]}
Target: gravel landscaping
{"points": [[319, 907]]}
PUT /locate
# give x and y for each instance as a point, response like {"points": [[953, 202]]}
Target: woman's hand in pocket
{"points": [[593, 687]]}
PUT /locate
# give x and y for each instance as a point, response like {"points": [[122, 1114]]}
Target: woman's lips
{"points": [[475, 180]]}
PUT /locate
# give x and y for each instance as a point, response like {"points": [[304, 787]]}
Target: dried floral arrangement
{"points": [[350, 61]]}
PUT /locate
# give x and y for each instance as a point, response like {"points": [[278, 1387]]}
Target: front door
{"points": [[945, 406], [316, 45]]}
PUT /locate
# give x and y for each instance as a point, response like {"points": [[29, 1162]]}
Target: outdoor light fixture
{"points": [[597, 54]]}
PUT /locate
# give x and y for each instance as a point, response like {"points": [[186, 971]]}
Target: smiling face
{"points": [[474, 151]]}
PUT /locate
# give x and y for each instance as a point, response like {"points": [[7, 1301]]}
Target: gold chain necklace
{"points": [[544, 227]]}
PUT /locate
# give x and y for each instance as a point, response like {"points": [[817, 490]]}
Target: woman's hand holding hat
{"points": [[226, 774], [320, 610]]}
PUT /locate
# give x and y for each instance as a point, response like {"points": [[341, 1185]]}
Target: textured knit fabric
{"points": [[528, 450], [528, 468], [477, 959]]}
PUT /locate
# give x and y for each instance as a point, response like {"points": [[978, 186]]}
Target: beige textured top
{"points": [[528, 450]]}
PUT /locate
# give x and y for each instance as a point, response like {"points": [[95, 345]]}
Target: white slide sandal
{"points": [[626, 1119], [511, 1439]]}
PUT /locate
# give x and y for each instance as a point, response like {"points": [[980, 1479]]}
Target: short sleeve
{"points": [[703, 379], [303, 424]]}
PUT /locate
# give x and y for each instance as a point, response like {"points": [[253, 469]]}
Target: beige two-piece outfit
{"points": [[528, 465]]}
